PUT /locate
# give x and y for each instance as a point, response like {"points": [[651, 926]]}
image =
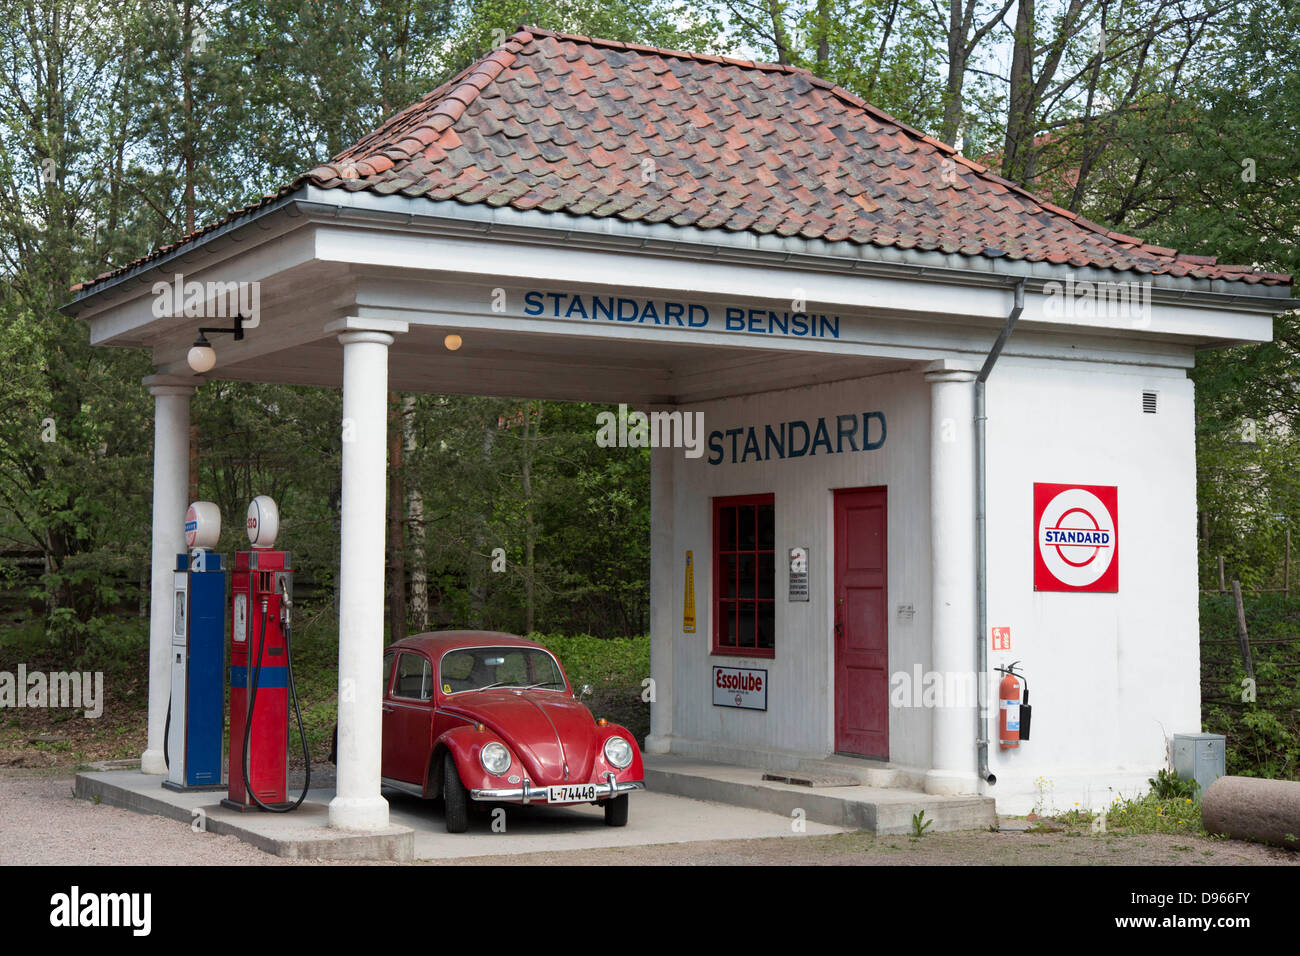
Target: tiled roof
{"points": [[599, 128]]}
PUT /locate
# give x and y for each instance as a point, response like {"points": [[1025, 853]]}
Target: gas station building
{"points": [[819, 287]]}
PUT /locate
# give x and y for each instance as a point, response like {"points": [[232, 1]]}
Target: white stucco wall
{"points": [[800, 714], [1111, 675]]}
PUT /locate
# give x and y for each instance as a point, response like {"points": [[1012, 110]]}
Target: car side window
{"points": [[414, 677], [389, 657]]}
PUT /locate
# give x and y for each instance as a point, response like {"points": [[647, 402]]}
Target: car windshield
{"points": [[478, 668]]}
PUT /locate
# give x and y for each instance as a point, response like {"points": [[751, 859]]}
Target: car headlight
{"points": [[618, 752], [495, 758]]}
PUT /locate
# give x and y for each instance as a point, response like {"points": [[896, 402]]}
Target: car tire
{"points": [[616, 811], [455, 797]]}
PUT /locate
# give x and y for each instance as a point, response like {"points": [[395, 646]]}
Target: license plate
{"points": [[581, 793]]}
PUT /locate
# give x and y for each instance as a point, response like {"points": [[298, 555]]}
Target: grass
{"points": [[1136, 815]]}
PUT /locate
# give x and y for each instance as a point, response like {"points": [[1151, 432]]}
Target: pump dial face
{"points": [[178, 606], [241, 618]]}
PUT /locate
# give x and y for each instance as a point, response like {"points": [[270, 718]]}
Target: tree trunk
{"points": [[952, 99], [396, 540], [532, 428], [778, 32], [194, 463], [415, 510], [1015, 150]]}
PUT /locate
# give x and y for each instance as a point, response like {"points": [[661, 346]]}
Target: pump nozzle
{"points": [[286, 599]]}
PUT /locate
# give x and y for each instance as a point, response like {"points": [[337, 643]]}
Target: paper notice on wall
{"points": [[688, 608]]}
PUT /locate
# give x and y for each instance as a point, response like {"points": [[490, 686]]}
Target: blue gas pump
{"points": [[196, 713]]}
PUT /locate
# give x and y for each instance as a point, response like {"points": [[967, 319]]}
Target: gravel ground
{"points": [[42, 823], [936, 849]]}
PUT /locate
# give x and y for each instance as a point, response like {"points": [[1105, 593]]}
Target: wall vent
{"points": [[1149, 402]]}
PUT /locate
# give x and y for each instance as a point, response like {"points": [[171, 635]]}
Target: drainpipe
{"points": [[981, 538]]}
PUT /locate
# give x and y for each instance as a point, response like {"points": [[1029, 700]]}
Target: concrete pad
{"points": [[653, 818], [304, 834], [418, 831], [884, 810]]}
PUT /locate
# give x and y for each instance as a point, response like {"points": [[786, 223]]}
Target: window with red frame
{"points": [[744, 576]]}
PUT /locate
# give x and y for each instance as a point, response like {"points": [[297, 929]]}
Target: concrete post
{"points": [[171, 476], [665, 619], [357, 804], [952, 553]]}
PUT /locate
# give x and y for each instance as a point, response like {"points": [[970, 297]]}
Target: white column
{"points": [[953, 759], [171, 478], [357, 804], [665, 615]]}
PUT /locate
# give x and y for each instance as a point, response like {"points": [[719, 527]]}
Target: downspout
{"points": [[981, 538]]}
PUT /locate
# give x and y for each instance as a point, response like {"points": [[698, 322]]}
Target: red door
{"points": [[861, 624], [408, 719]]}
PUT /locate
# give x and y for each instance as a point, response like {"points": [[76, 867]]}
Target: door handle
{"points": [[388, 710]]}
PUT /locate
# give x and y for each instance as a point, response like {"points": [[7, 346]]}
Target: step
{"points": [[882, 810]]}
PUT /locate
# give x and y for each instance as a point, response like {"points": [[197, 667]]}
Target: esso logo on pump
{"points": [[263, 522], [1076, 538]]}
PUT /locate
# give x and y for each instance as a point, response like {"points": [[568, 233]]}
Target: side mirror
{"points": [[585, 692]]}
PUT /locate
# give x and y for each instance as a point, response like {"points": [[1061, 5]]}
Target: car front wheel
{"points": [[456, 797], [616, 811]]}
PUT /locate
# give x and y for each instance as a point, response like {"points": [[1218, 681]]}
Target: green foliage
{"points": [[1151, 813], [1167, 785], [920, 824], [1263, 733], [600, 662]]}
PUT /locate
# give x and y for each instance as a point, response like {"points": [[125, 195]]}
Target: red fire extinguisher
{"points": [[1013, 716]]}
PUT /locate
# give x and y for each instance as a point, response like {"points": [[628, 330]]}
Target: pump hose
{"points": [[248, 723]]}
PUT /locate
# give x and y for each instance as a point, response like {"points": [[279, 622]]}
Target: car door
{"points": [[408, 718]]}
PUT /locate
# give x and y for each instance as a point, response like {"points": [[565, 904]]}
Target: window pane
{"points": [[745, 528], [726, 625], [766, 528], [766, 575], [767, 625], [727, 575], [745, 625], [746, 576], [475, 668], [413, 678], [726, 529], [390, 657]]}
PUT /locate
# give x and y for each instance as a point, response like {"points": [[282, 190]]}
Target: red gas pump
{"points": [[261, 671]]}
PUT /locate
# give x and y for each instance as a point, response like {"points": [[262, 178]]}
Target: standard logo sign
{"points": [[740, 687], [1076, 538]]}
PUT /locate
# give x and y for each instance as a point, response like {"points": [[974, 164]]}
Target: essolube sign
{"points": [[740, 687]]}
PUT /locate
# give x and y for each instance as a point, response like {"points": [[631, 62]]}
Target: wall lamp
{"points": [[202, 356]]}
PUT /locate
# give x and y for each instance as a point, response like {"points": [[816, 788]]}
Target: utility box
{"points": [[1199, 757]]}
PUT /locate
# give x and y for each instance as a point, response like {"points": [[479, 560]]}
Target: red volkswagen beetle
{"points": [[491, 718]]}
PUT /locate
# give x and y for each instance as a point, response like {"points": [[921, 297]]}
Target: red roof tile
{"points": [[599, 128]]}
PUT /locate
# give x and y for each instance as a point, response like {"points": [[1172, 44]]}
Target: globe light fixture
{"points": [[202, 356]]}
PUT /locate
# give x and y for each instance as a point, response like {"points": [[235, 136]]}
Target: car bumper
{"points": [[539, 794]]}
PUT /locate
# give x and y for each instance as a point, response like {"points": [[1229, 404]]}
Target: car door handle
{"points": [[388, 709]]}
